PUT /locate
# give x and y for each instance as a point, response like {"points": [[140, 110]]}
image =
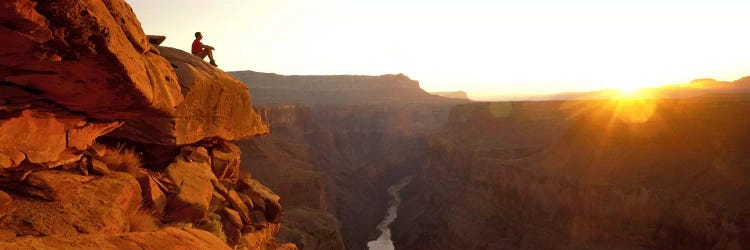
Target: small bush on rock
{"points": [[214, 227], [143, 220], [123, 159]]}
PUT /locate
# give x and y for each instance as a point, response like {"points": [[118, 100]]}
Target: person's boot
{"points": [[212, 62]]}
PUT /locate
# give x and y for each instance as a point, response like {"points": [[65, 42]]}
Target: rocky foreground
{"points": [[110, 142]]}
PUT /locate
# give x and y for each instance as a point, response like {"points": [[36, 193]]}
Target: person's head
{"points": [[198, 35]]}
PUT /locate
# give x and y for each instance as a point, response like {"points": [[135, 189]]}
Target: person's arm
{"points": [[208, 47]]}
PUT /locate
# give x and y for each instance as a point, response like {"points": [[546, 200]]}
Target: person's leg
{"points": [[201, 54], [209, 53]]}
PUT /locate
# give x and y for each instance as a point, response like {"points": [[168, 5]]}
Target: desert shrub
{"points": [[214, 227], [123, 159], [143, 220]]}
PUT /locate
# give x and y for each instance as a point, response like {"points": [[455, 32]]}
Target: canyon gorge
{"points": [[656, 173], [335, 149]]}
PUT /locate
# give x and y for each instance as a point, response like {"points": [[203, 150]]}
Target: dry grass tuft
{"points": [[214, 227], [143, 220], [123, 159]]}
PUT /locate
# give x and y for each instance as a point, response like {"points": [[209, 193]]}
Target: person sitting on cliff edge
{"points": [[201, 50]]}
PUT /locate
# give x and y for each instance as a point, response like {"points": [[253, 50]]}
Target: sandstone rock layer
{"points": [[105, 137]]}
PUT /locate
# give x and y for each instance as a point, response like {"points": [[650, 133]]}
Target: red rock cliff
{"points": [[72, 72]]}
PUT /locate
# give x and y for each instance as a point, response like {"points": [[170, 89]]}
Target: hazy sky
{"points": [[487, 48]]}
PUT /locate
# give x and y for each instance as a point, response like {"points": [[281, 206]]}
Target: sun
{"points": [[629, 90], [628, 93]]}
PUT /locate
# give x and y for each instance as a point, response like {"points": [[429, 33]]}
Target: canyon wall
{"points": [[109, 142], [284, 161], [627, 174], [348, 138], [335, 167]]}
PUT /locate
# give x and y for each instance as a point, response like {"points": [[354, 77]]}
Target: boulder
{"points": [[195, 188], [232, 216], [273, 212], [40, 136], [153, 196], [259, 218], [82, 138], [47, 137], [263, 198], [234, 199], [246, 199], [156, 39], [199, 154], [217, 201], [99, 167], [233, 233], [87, 56], [52, 185], [216, 105], [75, 204], [225, 160], [253, 188], [167, 238]]}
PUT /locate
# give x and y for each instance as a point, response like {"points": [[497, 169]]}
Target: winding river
{"points": [[384, 241]]}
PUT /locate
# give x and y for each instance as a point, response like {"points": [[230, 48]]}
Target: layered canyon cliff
{"points": [[609, 174]]}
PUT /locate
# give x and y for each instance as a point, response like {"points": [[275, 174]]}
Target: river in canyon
{"points": [[384, 242]]}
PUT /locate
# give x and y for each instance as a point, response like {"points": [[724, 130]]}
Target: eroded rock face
{"points": [[87, 56], [75, 204], [339, 163], [226, 161], [92, 57], [74, 71], [49, 138], [193, 179], [36, 136], [216, 106]]}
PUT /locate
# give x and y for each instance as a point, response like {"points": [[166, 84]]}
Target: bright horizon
{"points": [[486, 48]]}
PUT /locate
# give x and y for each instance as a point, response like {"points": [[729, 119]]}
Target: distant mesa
{"points": [[697, 87], [322, 90], [452, 94]]}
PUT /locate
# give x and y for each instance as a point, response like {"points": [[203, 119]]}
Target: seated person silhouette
{"points": [[201, 50]]}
